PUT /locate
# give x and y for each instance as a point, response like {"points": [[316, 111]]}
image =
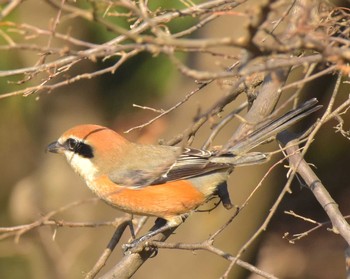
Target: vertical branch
{"points": [[298, 163]]}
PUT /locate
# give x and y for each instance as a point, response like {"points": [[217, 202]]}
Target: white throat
{"points": [[83, 166]]}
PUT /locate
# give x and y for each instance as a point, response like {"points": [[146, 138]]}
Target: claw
{"points": [[129, 247], [158, 228], [132, 247]]}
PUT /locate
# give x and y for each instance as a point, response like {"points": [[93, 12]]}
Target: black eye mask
{"points": [[79, 147]]}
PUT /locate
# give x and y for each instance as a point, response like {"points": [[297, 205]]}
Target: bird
{"points": [[167, 182]]}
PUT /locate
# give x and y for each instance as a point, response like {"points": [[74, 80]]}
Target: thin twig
{"points": [[207, 246]]}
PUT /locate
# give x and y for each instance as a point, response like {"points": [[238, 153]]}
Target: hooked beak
{"points": [[55, 147]]}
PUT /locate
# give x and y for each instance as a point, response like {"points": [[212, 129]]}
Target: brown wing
{"points": [[190, 163]]}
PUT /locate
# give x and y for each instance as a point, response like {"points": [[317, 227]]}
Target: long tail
{"points": [[268, 130]]}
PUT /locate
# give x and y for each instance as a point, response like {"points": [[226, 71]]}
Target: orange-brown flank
{"points": [[164, 200]]}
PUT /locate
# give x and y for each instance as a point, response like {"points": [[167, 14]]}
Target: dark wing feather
{"points": [[191, 163]]}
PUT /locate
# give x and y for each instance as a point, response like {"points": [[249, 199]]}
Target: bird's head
{"points": [[90, 149]]}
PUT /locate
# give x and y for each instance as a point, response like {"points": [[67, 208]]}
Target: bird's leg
{"points": [[131, 227], [154, 231], [160, 226]]}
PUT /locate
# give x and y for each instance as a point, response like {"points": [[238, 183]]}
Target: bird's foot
{"points": [[137, 246], [129, 248]]}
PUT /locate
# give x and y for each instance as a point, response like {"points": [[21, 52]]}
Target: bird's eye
{"points": [[72, 144], [79, 147]]}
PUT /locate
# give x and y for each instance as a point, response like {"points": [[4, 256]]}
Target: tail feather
{"points": [[251, 158], [273, 127]]}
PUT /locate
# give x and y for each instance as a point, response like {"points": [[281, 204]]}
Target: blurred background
{"points": [[34, 183]]}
